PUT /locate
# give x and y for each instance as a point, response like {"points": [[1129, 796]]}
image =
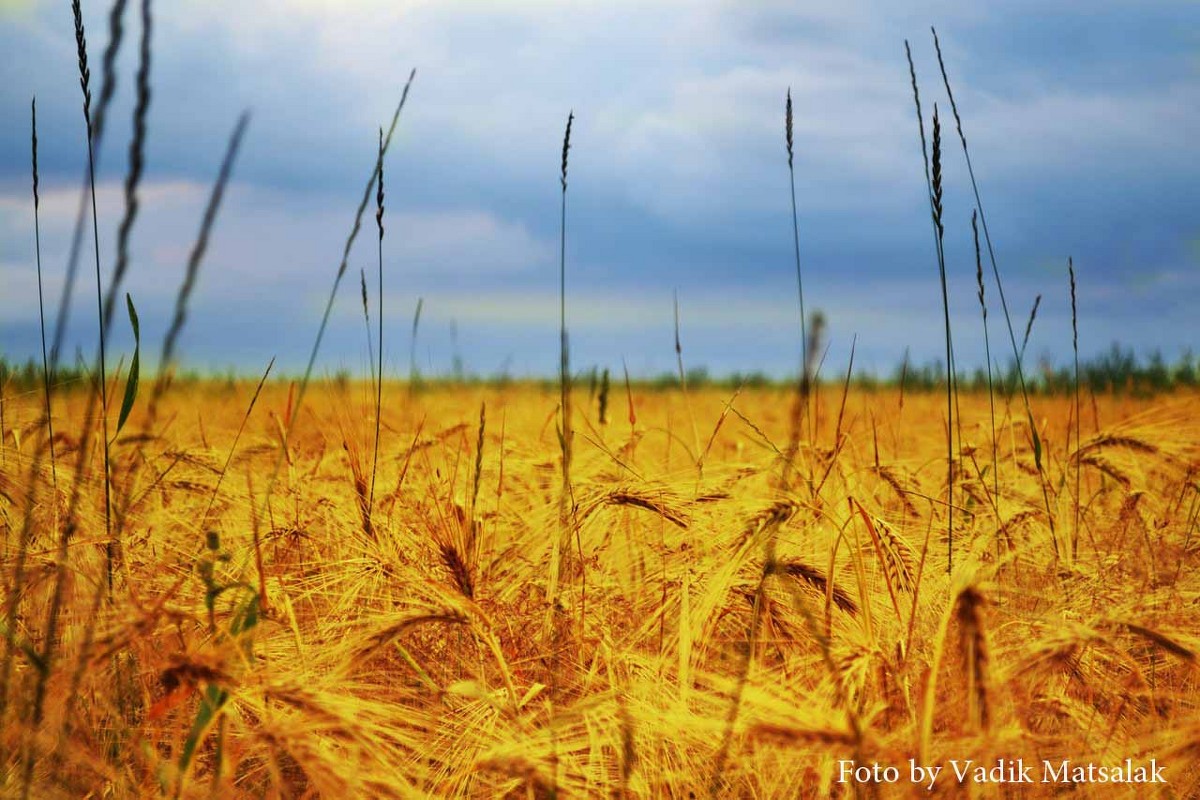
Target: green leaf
{"points": [[246, 617], [131, 385], [212, 702]]}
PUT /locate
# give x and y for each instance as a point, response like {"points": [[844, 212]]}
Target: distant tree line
{"points": [[1119, 370]]}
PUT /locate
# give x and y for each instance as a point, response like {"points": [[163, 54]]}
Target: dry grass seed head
{"points": [[814, 578], [973, 646], [653, 502], [397, 626], [889, 476], [898, 556]]}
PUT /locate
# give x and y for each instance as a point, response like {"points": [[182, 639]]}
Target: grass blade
{"points": [[131, 383]]}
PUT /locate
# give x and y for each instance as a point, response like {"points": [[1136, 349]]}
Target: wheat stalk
{"points": [[602, 399], [341, 271], [169, 341], [565, 498], [1018, 355], [84, 84], [972, 631], [196, 256], [133, 177], [12, 596], [966, 608], [362, 288], [1107, 467], [634, 498], [95, 132], [1078, 421], [37, 238], [108, 87], [564, 373], [1037, 302], [951, 395], [987, 350], [802, 387], [413, 374], [933, 179], [565, 433], [814, 577], [37, 705], [472, 527], [379, 299], [684, 389]]}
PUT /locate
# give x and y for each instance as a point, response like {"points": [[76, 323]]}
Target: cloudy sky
{"points": [[1083, 119]]}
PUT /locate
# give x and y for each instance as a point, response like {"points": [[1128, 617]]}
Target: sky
{"points": [[1082, 117]]}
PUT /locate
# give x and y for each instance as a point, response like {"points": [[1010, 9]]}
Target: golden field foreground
{"points": [[685, 626]]}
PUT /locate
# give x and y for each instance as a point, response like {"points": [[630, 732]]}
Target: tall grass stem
{"points": [[379, 350], [987, 236], [37, 239], [1075, 388], [341, 271], [933, 178], [987, 351], [803, 381]]}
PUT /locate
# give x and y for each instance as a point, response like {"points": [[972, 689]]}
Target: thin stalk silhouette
{"points": [[341, 271], [933, 180], [1078, 422], [803, 386], [379, 350], [37, 238], [987, 349], [1017, 354]]}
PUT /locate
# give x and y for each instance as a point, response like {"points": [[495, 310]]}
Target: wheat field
{"points": [[307, 587], [692, 625]]}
